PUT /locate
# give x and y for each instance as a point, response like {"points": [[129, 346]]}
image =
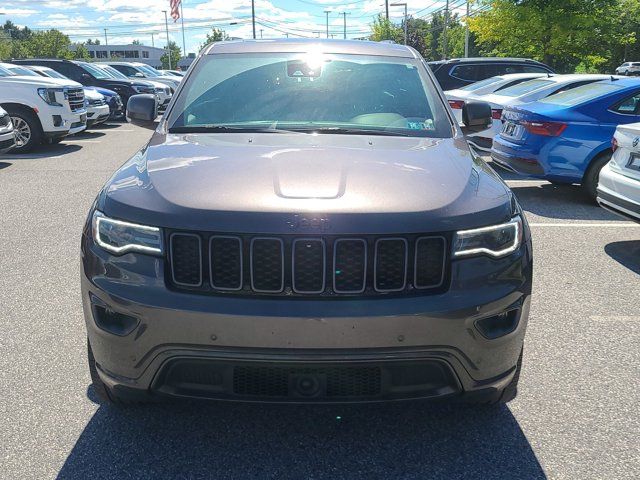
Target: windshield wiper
{"points": [[223, 129], [352, 131]]}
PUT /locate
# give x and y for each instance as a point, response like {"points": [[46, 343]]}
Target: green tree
{"points": [[93, 42], [176, 53], [81, 52], [49, 44], [136, 42], [383, 29], [215, 35], [559, 33]]}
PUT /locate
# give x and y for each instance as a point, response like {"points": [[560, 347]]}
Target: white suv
{"points": [[629, 68], [41, 109]]}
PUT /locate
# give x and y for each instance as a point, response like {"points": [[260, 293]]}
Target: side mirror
{"points": [[142, 110], [139, 75], [86, 77], [476, 117]]}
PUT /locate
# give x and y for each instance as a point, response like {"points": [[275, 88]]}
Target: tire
{"points": [[27, 127], [591, 176]]}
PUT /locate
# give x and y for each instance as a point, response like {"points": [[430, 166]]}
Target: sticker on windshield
{"points": [[426, 125]]}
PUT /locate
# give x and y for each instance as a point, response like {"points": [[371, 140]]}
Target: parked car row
{"points": [[49, 99], [560, 128]]}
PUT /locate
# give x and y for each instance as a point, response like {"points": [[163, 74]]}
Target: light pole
{"points": [[405, 18], [253, 17], [327, 12], [184, 43], [261, 34], [106, 42], [166, 26], [444, 30], [344, 17], [466, 31]]}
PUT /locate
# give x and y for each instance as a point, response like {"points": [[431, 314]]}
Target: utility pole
{"points": [[166, 26], [444, 31], [344, 16], [184, 43], [466, 31], [405, 18], [327, 12], [386, 8], [153, 44], [261, 34], [253, 17], [106, 41]]}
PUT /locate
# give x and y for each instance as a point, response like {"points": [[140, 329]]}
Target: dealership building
{"points": [[132, 53]]}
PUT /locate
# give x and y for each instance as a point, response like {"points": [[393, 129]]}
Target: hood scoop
{"points": [[299, 178]]}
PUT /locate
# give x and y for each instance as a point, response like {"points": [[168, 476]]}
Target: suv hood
{"points": [[41, 81], [299, 182]]}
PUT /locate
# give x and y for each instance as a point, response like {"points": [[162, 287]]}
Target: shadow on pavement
{"points": [[563, 202], [110, 124], [243, 441], [85, 134], [4, 165], [46, 151], [626, 254]]}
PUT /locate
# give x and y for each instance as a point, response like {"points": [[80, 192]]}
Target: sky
{"points": [[143, 20]]}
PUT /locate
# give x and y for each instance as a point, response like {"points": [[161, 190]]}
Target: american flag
{"points": [[175, 9]]}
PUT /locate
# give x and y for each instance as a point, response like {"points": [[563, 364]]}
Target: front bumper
{"points": [[97, 114], [619, 194], [224, 347]]}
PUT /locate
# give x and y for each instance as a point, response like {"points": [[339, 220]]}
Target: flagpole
{"points": [[184, 43]]}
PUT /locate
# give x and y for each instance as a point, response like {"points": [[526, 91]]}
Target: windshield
{"points": [[50, 72], [152, 72], [311, 92], [6, 73], [524, 87], [25, 72], [580, 94], [482, 83], [112, 72], [95, 71]]}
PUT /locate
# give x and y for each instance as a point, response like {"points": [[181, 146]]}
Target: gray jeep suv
{"points": [[306, 224]]}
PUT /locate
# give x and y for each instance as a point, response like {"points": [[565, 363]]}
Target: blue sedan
{"points": [[566, 138]]}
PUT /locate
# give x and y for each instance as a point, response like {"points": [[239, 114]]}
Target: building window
{"points": [[92, 54], [101, 54], [145, 54]]}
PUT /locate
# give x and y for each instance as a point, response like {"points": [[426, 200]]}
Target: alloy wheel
{"points": [[22, 131]]}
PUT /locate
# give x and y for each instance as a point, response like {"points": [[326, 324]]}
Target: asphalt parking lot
{"points": [[576, 416]]}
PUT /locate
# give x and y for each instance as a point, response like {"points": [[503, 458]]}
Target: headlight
{"points": [[495, 241], [49, 95], [140, 88], [121, 237]]}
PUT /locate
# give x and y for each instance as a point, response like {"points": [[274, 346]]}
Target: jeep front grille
{"points": [[306, 266]]}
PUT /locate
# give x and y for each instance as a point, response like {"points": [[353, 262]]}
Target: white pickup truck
{"points": [[43, 110]]}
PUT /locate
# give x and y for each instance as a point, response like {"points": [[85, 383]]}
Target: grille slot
{"points": [[390, 271], [429, 265], [225, 257], [267, 265], [308, 265], [186, 259], [265, 381], [349, 265]]}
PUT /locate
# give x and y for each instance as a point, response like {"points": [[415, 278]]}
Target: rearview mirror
{"points": [[142, 110], [476, 117]]}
